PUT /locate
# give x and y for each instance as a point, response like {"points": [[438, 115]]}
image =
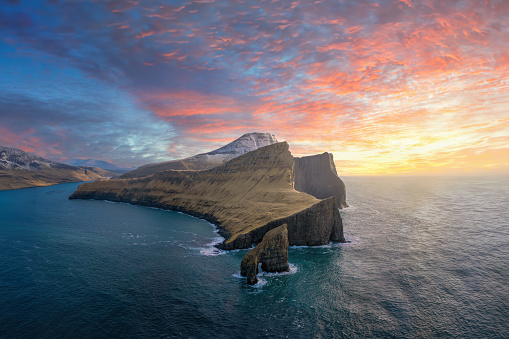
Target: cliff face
{"points": [[19, 169], [271, 252], [246, 143], [314, 226], [316, 175], [246, 197]]}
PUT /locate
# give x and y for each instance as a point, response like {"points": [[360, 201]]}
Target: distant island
{"points": [[19, 169], [245, 195]]}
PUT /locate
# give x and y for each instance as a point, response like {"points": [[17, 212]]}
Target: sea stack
{"points": [[271, 252]]}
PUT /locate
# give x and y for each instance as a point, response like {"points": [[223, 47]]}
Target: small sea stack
{"points": [[271, 252]]}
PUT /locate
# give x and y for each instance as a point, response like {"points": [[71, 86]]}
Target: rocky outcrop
{"points": [[271, 252], [316, 175], [19, 169], [246, 197], [246, 143]]}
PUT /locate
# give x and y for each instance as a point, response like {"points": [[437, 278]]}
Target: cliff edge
{"points": [[246, 197], [317, 175]]}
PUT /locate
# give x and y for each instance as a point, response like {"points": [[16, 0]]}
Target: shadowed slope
{"points": [[317, 175]]}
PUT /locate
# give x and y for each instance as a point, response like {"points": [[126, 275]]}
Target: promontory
{"points": [[246, 197]]}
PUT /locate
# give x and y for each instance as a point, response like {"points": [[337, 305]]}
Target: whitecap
{"points": [[299, 247], [293, 270], [260, 283], [262, 274], [237, 275], [350, 240], [211, 250]]}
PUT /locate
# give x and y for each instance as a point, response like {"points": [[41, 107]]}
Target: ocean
{"points": [[428, 257]]}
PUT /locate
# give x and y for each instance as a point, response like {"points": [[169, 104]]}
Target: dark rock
{"points": [[316, 175], [271, 252], [314, 226]]}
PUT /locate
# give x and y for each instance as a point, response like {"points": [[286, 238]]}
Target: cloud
{"points": [[379, 80], [89, 130]]}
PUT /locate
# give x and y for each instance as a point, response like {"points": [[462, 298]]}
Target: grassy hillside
{"points": [[244, 194]]}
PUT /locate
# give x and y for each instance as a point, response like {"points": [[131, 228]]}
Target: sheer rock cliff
{"points": [[317, 175]]}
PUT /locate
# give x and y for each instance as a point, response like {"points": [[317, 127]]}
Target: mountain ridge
{"points": [[203, 161], [20, 169]]}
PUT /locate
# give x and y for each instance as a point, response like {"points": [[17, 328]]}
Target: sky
{"points": [[390, 87]]}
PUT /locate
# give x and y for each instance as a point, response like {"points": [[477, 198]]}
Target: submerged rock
{"points": [[271, 252]]}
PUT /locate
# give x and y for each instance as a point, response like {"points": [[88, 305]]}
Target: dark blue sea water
{"points": [[428, 258]]}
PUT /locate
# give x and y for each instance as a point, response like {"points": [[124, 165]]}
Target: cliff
{"points": [[246, 143], [19, 169], [246, 197], [271, 252], [316, 175]]}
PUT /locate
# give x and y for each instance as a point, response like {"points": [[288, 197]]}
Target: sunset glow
{"points": [[389, 87]]}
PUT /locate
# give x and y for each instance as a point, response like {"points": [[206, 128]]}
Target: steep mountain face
{"points": [[16, 159], [246, 143], [246, 197], [316, 175], [19, 169], [105, 165]]}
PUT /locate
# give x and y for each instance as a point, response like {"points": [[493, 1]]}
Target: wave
{"points": [[329, 245], [293, 270], [262, 274], [210, 249]]}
